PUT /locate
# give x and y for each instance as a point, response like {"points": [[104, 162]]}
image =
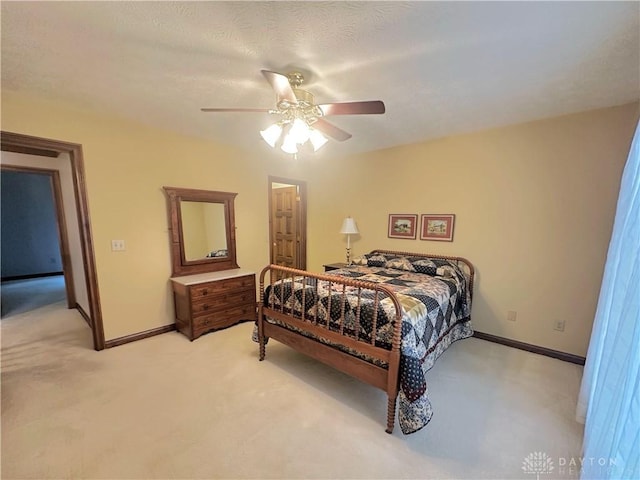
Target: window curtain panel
{"points": [[609, 402]]}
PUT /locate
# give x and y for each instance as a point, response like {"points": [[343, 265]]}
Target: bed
{"points": [[384, 320], [217, 253]]}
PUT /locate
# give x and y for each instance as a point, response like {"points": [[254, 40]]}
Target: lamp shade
{"points": [[349, 226]]}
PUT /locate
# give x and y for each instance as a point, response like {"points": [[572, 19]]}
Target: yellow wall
{"points": [[127, 165], [534, 208]]}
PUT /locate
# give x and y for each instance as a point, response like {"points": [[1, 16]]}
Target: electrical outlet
{"points": [[117, 245], [558, 325], [511, 315]]}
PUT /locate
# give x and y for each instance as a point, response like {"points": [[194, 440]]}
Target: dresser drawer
{"points": [[223, 318], [209, 304], [218, 287]]}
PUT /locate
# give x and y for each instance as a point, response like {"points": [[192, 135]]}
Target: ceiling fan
{"points": [[300, 118]]}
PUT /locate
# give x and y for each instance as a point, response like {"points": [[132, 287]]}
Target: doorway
{"points": [[288, 222], [49, 152], [34, 240]]}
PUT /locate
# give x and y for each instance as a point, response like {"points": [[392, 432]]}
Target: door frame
{"points": [[48, 148], [301, 232], [63, 239]]}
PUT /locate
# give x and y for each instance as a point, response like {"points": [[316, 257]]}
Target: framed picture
{"points": [[437, 227], [403, 226]]}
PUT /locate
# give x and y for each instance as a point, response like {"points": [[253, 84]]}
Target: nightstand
{"points": [[334, 266]]}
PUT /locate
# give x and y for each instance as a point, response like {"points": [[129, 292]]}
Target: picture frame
{"points": [[437, 227], [403, 225]]}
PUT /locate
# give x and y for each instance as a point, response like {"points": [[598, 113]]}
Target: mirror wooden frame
{"points": [[179, 264]]}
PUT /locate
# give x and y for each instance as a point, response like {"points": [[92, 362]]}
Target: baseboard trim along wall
{"points": [[139, 336], [30, 276], [567, 357]]}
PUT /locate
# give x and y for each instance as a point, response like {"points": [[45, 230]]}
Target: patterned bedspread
{"points": [[436, 306]]}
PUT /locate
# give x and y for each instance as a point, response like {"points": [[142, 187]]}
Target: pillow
{"points": [[362, 260], [370, 260], [400, 263], [424, 265], [376, 260], [446, 271], [433, 266], [428, 266], [426, 269]]}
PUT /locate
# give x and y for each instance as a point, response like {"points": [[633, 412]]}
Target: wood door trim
{"points": [[63, 238], [9, 142], [302, 185]]}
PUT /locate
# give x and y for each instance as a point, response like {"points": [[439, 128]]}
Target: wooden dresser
{"points": [[210, 301]]}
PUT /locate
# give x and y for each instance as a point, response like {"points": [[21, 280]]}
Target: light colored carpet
{"points": [[19, 296], [165, 407]]}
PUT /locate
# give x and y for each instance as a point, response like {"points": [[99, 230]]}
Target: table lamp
{"points": [[349, 228]]}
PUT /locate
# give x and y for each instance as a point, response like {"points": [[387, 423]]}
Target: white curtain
{"points": [[609, 402]]}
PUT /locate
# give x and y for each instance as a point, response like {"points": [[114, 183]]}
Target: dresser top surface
{"points": [[211, 276]]}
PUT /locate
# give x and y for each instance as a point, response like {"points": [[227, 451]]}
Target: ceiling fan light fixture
{"points": [[272, 134], [299, 132], [289, 145], [299, 114], [317, 139]]}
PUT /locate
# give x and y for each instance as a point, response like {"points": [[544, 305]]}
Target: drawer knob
{"points": [[205, 307]]}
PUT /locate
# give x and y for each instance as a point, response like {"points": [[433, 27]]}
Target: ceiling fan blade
{"points": [[280, 83], [331, 130], [235, 109], [353, 108]]}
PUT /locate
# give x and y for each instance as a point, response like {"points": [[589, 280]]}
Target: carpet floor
{"points": [[165, 407], [19, 296]]}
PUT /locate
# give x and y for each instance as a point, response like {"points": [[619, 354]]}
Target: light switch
{"points": [[117, 245]]}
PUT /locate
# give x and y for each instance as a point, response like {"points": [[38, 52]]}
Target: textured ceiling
{"points": [[440, 67]]}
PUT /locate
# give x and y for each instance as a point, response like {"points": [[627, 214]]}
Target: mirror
{"points": [[202, 228]]}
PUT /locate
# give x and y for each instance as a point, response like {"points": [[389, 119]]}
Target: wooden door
{"points": [[284, 221]]}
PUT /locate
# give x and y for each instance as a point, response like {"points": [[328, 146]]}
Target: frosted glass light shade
{"points": [[299, 131], [317, 139], [272, 134], [295, 133], [349, 226], [289, 145]]}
